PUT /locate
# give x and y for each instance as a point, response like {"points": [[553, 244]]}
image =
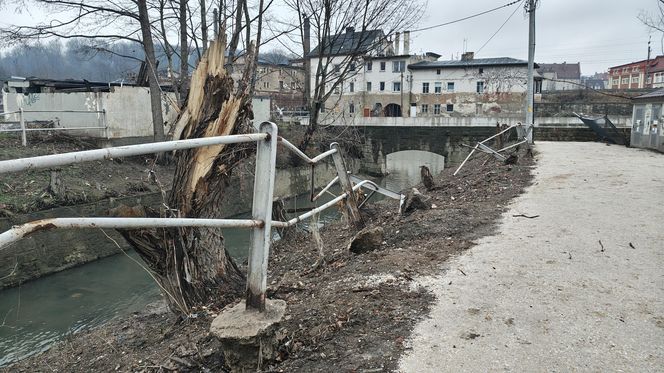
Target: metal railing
{"points": [[260, 223], [103, 125]]}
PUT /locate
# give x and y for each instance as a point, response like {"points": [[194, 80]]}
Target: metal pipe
{"points": [[300, 154], [320, 194], [20, 231], [498, 134], [285, 224], [54, 129], [465, 160], [511, 146], [9, 112], [54, 160], [63, 111]]}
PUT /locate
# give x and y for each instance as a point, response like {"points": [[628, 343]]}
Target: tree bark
{"points": [[192, 265], [155, 90], [184, 48]]}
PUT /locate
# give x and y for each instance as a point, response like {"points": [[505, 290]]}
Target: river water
{"points": [[42, 312]]}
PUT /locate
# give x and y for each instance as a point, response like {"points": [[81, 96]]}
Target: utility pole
{"points": [[645, 76], [531, 70]]}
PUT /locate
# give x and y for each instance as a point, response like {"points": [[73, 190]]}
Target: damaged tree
{"points": [[191, 264]]}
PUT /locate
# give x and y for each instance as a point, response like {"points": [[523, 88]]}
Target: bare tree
{"points": [[655, 21], [345, 31]]}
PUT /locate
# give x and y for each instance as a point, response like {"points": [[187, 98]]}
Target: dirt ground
{"points": [[22, 192], [353, 313]]}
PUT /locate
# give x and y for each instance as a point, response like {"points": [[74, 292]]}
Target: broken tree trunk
{"points": [[190, 264]]}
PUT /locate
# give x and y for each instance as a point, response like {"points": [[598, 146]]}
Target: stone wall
{"points": [[568, 134]]}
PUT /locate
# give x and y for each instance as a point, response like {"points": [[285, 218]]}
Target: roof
{"points": [[350, 42], [655, 94], [475, 62], [563, 70], [652, 60]]}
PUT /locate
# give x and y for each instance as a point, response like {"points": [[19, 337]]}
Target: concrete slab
{"points": [[543, 295]]}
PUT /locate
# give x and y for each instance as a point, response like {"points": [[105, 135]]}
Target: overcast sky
{"points": [[597, 33]]}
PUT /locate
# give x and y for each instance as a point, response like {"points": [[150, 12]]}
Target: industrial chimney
{"points": [[406, 42]]}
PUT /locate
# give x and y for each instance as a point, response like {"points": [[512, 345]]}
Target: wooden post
{"points": [[24, 137], [347, 187], [266, 159]]}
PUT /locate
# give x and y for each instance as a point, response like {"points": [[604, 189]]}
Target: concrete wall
{"points": [[56, 250], [128, 111]]}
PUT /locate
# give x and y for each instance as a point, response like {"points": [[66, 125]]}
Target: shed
{"points": [[648, 120]]}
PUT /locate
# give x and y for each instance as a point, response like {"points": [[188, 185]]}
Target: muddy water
{"points": [[42, 312]]}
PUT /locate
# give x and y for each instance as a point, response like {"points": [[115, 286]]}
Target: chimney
{"points": [[350, 30], [306, 47], [397, 41], [406, 42], [468, 56]]}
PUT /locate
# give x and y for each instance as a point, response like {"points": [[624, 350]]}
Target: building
{"points": [[633, 75], [560, 76], [648, 120], [597, 81], [277, 79]]}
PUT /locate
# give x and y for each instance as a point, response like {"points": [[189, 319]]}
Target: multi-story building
{"points": [[633, 75], [382, 82], [560, 76]]}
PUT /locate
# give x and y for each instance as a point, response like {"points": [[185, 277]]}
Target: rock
{"points": [[415, 201], [368, 239], [512, 159]]}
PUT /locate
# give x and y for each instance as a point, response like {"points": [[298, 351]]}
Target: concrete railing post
{"points": [[347, 187], [266, 159], [24, 137]]}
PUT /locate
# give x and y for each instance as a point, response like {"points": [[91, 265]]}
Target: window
{"points": [[437, 71], [281, 84], [292, 85], [396, 86], [480, 87], [437, 87], [635, 69], [425, 109], [398, 66], [450, 86], [337, 68], [481, 70], [436, 109], [382, 86], [351, 67], [368, 86], [336, 90], [351, 87], [635, 79], [425, 87], [351, 108], [382, 66], [625, 80], [478, 109], [616, 81], [449, 108], [266, 84], [369, 66]]}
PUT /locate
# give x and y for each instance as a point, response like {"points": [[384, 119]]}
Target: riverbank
{"points": [[354, 312]]}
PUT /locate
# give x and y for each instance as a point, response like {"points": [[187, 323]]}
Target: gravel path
{"points": [[543, 295]]}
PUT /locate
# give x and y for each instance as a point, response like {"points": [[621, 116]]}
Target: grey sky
{"points": [[597, 33]]}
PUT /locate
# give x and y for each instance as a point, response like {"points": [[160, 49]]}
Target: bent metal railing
{"points": [[260, 223]]}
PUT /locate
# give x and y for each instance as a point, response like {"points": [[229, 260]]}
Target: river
{"points": [[39, 313]]}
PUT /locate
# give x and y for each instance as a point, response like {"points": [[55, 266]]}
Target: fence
{"points": [[24, 130], [261, 219]]}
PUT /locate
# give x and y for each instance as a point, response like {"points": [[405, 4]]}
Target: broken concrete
{"points": [[415, 201], [247, 336], [368, 239]]}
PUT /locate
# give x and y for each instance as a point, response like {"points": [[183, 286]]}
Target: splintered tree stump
{"points": [[191, 264], [368, 239], [427, 178], [415, 201]]}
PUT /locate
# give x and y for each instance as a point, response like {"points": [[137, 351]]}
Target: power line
{"points": [[499, 28], [468, 17]]}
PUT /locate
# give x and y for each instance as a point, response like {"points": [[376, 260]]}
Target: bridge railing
{"points": [[260, 223]]}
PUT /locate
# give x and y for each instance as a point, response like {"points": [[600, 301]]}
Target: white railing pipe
{"points": [[55, 160], [20, 231]]}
